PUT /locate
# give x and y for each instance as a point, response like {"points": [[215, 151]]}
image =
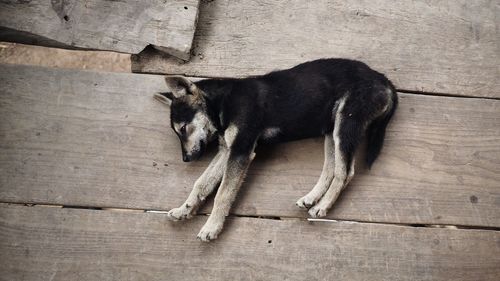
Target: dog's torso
{"points": [[295, 103]]}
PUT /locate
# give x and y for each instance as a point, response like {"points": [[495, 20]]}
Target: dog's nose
{"points": [[186, 158]]}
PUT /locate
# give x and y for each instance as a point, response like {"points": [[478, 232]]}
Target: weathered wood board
{"points": [[432, 46], [123, 26], [13, 53], [41, 243], [99, 139]]}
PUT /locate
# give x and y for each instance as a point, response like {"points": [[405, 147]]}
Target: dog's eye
{"points": [[183, 129]]}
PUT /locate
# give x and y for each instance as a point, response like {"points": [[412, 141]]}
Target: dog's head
{"points": [[188, 116]]}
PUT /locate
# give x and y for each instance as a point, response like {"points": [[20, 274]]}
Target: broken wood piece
{"points": [[123, 26]]}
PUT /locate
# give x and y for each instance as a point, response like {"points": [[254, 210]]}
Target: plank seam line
{"points": [[414, 92], [439, 94], [459, 227]]}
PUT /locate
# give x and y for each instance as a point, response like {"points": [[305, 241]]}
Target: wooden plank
{"points": [[13, 53], [39, 243], [122, 26], [432, 46], [100, 139]]}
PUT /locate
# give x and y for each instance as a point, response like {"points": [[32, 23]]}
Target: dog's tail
{"points": [[375, 132]]}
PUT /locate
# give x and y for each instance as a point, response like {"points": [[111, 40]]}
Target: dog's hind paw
{"points": [[209, 232], [305, 202], [178, 214], [316, 212]]}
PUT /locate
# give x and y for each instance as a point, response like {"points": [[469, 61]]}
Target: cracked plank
{"points": [[121, 26]]}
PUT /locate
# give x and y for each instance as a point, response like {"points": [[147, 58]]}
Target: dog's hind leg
{"points": [[347, 135], [326, 176], [203, 187]]}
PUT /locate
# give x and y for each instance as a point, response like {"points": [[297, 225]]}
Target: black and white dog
{"points": [[342, 100]]}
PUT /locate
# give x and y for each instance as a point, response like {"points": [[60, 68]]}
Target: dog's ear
{"points": [[181, 86], [165, 97]]}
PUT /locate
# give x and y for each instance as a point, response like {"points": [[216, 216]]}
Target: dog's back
{"points": [[301, 102]]}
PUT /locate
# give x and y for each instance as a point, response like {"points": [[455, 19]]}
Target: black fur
{"points": [[375, 133], [300, 102]]}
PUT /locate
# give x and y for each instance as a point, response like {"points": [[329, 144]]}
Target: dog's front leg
{"points": [[203, 187], [234, 174]]}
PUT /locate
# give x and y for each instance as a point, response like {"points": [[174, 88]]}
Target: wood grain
{"points": [[122, 26], [99, 139], [40, 243], [13, 53], [431, 46]]}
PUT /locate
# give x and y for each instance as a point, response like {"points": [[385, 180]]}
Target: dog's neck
{"points": [[214, 92]]}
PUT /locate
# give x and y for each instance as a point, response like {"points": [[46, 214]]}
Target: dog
{"points": [[340, 99]]}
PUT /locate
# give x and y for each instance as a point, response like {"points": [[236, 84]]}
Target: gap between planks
{"points": [[437, 94], [132, 210], [79, 54], [406, 91]]}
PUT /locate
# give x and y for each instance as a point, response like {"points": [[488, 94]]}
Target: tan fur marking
{"points": [[230, 135], [199, 129], [270, 133], [233, 178], [326, 176], [340, 180]]}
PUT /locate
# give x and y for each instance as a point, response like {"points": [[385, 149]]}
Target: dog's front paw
{"points": [[180, 213], [317, 212], [209, 231], [305, 202]]}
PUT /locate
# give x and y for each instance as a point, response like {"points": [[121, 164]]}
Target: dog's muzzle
{"points": [[194, 155]]}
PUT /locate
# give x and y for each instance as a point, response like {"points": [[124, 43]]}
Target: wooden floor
{"points": [[85, 156]]}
